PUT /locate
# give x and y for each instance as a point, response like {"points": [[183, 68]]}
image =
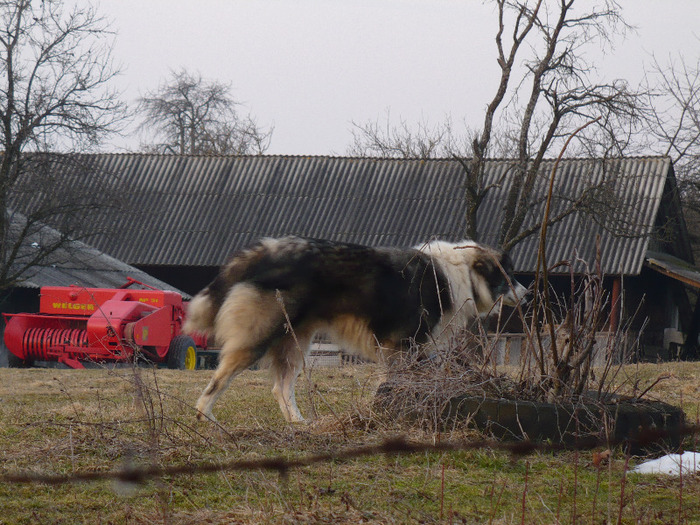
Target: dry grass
{"points": [[63, 421]]}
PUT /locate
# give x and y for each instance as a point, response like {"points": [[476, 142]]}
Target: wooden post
{"points": [[690, 348], [615, 306]]}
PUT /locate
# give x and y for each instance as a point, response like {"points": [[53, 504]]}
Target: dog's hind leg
{"points": [[232, 362], [287, 363], [246, 324]]}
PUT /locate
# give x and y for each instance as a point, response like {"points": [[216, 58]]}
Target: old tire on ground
{"points": [[182, 353], [641, 426]]}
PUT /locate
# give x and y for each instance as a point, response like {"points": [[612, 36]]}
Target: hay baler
{"points": [[76, 324]]}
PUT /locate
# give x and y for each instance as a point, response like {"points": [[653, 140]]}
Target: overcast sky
{"points": [[311, 67]]}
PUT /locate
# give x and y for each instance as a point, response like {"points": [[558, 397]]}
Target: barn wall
{"points": [[189, 279], [650, 304]]}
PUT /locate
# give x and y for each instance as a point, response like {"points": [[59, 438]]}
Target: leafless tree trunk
{"points": [[522, 26], [55, 70], [560, 98]]}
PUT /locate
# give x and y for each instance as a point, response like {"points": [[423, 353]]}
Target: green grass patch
{"points": [[66, 421]]}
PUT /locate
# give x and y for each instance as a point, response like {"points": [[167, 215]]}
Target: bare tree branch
{"points": [[546, 90]]}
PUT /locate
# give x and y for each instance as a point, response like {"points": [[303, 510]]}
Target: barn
{"points": [[180, 217]]}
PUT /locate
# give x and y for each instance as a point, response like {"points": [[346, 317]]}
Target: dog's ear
{"points": [[506, 263], [483, 267]]}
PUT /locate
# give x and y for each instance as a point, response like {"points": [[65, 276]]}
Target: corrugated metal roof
{"points": [[195, 211], [77, 263]]}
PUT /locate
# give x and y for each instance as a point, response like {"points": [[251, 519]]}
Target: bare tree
{"points": [[546, 90], [675, 124], [195, 116], [55, 95], [423, 141], [561, 96], [674, 94]]}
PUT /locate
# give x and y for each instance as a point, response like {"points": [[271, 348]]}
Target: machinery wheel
{"points": [[182, 353]]}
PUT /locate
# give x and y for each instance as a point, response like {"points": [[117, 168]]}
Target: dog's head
{"points": [[495, 269], [479, 273]]}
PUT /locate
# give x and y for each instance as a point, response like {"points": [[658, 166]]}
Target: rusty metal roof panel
{"points": [[195, 211]]}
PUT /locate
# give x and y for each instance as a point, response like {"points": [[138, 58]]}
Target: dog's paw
{"points": [[201, 416]]}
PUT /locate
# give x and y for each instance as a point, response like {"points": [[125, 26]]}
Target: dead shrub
{"points": [[570, 354]]}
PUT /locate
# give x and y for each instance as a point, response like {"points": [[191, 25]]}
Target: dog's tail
{"points": [[203, 308], [201, 312]]}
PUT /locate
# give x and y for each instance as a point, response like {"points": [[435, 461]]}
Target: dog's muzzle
{"points": [[515, 295]]}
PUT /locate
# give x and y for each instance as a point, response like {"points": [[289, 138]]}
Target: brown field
{"points": [[77, 422]]}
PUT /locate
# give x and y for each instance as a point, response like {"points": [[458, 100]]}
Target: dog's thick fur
{"points": [[270, 300]]}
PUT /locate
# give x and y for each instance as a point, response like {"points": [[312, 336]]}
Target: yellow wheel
{"points": [[190, 358], [182, 353]]}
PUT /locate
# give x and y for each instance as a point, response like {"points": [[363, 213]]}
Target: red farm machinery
{"points": [[76, 325]]}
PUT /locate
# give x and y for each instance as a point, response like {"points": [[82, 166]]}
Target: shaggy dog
{"points": [[271, 298]]}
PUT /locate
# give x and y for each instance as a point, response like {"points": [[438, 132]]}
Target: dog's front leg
{"points": [[284, 394], [287, 364]]}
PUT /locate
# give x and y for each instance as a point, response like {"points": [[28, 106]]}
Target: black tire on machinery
{"points": [[177, 351]]}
